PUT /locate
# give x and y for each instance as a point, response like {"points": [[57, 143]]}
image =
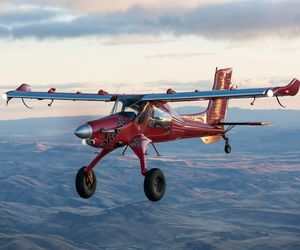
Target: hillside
{"points": [[246, 200]]}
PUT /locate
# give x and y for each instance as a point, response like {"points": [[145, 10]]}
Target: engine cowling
{"points": [[102, 132]]}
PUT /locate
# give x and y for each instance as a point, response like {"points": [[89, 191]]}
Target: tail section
{"points": [[217, 108]]}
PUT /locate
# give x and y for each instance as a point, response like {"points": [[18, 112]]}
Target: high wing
{"points": [[24, 92], [289, 90]]}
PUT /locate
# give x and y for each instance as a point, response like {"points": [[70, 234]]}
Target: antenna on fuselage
{"points": [[115, 107], [121, 84]]}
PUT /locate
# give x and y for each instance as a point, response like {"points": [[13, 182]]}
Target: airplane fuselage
{"points": [[118, 129]]}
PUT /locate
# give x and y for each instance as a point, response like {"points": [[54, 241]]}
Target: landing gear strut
{"points": [[154, 182], [86, 180]]}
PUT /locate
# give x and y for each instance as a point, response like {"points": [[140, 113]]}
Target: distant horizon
{"points": [[187, 108]]}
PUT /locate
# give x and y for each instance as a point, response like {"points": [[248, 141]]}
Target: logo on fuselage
{"points": [[111, 136]]}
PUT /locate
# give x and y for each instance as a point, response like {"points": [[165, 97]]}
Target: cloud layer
{"points": [[228, 21], [92, 6]]}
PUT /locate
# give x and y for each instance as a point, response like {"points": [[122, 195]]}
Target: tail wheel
{"points": [[227, 148], [154, 184], [85, 183]]}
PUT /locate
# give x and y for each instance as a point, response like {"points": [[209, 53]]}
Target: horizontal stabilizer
{"points": [[244, 123]]}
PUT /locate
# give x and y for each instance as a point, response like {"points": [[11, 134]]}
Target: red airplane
{"points": [[140, 120]]}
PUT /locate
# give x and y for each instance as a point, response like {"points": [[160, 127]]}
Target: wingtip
{"points": [[6, 97], [289, 90]]}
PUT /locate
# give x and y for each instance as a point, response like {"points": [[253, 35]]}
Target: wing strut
{"points": [[157, 153]]}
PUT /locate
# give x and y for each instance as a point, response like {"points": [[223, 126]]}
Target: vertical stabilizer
{"points": [[217, 108]]}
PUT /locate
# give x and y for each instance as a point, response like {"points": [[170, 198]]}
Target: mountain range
{"points": [[248, 199]]}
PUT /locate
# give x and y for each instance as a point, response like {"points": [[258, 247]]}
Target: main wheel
{"points": [[154, 184], [227, 148], [85, 183]]}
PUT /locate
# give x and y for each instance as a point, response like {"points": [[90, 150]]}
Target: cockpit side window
{"points": [[159, 118]]}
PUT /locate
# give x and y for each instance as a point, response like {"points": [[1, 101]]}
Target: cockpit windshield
{"points": [[135, 109], [128, 108]]}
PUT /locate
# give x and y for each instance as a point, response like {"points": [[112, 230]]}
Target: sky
{"points": [[143, 46]]}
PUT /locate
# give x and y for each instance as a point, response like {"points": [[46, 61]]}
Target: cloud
{"points": [[93, 6], [231, 21], [65, 86], [13, 18], [181, 55], [162, 86], [263, 82], [4, 32]]}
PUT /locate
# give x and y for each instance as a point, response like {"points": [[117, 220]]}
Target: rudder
{"points": [[217, 108]]}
